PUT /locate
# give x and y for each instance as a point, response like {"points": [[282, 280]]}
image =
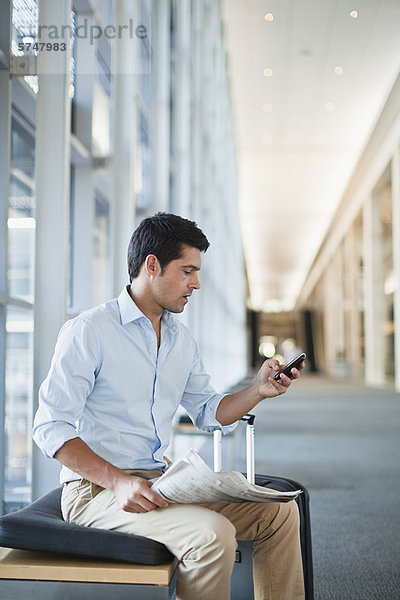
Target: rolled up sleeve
{"points": [[63, 394], [201, 401]]}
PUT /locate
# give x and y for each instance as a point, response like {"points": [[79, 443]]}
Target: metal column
{"points": [[161, 106], [52, 211], [123, 184], [5, 128]]}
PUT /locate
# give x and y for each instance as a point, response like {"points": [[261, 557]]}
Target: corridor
{"points": [[275, 127]]}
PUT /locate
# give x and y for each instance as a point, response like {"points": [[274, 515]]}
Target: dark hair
{"points": [[163, 235]]}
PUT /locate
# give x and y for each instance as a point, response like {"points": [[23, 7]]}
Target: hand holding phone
{"points": [[293, 364]]}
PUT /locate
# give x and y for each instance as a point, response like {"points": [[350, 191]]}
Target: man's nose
{"points": [[195, 283]]}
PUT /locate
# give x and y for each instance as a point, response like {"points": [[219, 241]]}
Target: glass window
{"points": [[143, 132], [103, 56], [22, 150], [18, 405], [21, 225], [21, 214], [25, 21], [143, 162], [101, 249]]}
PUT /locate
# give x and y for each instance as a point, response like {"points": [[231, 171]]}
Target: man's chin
{"points": [[175, 309], [178, 307]]}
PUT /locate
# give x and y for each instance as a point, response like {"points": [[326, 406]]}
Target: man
{"points": [[118, 375]]}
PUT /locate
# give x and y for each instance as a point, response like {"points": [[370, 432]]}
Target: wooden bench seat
{"points": [[44, 575]]}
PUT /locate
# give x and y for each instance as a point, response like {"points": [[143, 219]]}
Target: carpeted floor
{"points": [[343, 443]]}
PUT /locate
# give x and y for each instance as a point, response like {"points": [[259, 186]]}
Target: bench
{"points": [[39, 559]]}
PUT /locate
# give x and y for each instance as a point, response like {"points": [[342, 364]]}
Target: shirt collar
{"points": [[130, 312]]}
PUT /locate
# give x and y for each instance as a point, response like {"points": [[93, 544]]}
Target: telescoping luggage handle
{"points": [[249, 419]]}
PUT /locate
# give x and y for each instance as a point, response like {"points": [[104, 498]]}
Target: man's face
{"points": [[172, 288]]}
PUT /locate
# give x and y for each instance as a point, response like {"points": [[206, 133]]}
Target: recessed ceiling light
{"points": [[329, 106], [269, 17], [338, 70], [354, 14], [267, 108], [268, 72]]}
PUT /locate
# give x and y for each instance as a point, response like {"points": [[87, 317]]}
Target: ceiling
{"points": [[301, 124]]}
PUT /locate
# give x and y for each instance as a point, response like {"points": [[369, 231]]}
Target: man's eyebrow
{"points": [[194, 267]]}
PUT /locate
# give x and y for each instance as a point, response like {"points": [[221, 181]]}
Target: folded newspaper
{"points": [[189, 480]]}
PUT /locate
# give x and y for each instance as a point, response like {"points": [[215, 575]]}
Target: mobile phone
{"points": [[287, 369]]}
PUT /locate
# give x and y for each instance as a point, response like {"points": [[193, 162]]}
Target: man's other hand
{"points": [[134, 494]]}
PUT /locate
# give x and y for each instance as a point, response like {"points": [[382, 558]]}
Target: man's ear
{"points": [[152, 265]]}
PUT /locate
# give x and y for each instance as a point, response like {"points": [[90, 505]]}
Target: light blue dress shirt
{"points": [[110, 386]]}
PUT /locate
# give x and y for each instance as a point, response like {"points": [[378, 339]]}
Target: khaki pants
{"points": [[203, 537]]}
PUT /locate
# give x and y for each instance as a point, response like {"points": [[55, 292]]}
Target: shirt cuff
{"points": [[211, 419], [52, 437]]}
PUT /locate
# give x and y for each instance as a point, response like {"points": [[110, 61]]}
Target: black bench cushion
{"points": [[40, 526]]}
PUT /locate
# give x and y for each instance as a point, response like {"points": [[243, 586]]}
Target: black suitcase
{"points": [[242, 577]]}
